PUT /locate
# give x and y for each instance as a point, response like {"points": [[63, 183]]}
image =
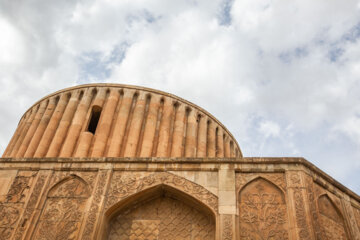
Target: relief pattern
{"points": [[95, 205], [162, 218], [277, 178], [11, 208], [124, 184], [301, 222], [312, 205], [263, 213], [228, 228], [63, 210], [357, 216]]}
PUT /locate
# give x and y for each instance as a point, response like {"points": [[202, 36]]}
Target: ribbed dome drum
{"points": [[113, 120]]}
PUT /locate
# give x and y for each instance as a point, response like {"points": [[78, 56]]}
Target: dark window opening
{"points": [[94, 119]]}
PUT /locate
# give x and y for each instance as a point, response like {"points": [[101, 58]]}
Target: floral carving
{"points": [[94, 209], [63, 211], [262, 211], [34, 197], [5, 233], [301, 215], [277, 178], [227, 231], [124, 185], [9, 215]]}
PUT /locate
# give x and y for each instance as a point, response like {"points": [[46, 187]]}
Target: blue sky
{"points": [[283, 76]]}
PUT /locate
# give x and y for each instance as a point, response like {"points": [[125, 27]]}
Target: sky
{"points": [[282, 76]]}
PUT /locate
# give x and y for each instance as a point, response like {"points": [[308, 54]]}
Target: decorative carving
{"points": [[162, 218], [262, 211], [60, 219], [126, 184], [70, 187], [277, 178], [34, 197], [16, 191], [228, 228], [300, 214], [95, 205], [63, 211], [331, 221], [9, 215], [357, 216], [312, 205], [5, 233]]}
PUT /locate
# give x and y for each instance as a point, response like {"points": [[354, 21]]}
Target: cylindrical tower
{"points": [[113, 120]]}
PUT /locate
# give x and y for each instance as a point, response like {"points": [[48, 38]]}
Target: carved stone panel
{"points": [[262, 211], [162, 218], [63, 212], [357, 216], [331, 222], [124, 184]]}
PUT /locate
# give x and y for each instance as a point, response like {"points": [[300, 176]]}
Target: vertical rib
{"points": [[76, 125], [64, 124], [16, 135], [178, 134], [32, 129], [227, 146], [24, 131], [164, 133], [120, 124], [85, 140], [102, 132], [52, 126], [202, 141], [135, 127], [150, 127], [34, 143], [191, 134], [158, 121], [211, 139], [219, 143], [232, 150]]}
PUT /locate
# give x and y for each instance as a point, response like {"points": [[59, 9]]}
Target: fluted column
{"points": [[178, 134], [103, 130], [191, 135], [32, 129], [211, 143], [164, 132], [41, 128], [15, 137], [220, 143], [150, 127], [227, 147], [51, 127], [76, 125], [120, 124], [64, 124], [23, 133], [135, 127], [85, 140], [201, 139]]}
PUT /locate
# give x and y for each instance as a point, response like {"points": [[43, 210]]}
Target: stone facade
{"points": [[193, 195]]}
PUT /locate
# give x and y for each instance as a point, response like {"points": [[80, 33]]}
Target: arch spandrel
{"points": [[71, 186], [125, 185], [263, 212]]}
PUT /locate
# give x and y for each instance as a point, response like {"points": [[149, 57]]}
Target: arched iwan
{"points": [[161, 206], [330, 219], [263, 213], [63, 211]]}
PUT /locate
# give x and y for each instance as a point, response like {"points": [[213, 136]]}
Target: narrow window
{"points": [[94, 119]]}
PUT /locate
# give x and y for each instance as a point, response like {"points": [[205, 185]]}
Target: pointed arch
{"points": [[70, 186], [63, 210], [263, 212], [179, 204], [331, 219]]}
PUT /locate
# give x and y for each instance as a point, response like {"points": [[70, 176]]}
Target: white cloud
{"points": [[282, 76]]}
